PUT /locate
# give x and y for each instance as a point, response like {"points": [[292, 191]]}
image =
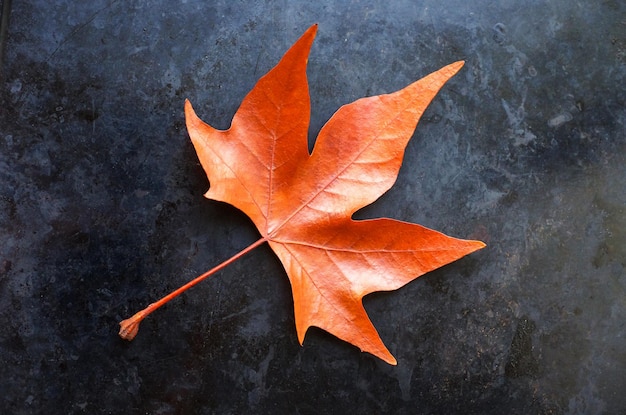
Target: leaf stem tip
{"points": [[130, 326]]}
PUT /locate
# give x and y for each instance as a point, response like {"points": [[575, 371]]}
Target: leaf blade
{"points": [[367, 138], [247, 173], [356, 258]]}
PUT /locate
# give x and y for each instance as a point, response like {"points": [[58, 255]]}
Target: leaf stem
{"points": [[130, 326]]}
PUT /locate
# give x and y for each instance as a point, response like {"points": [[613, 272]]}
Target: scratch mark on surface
{"points": [[79, 28]]}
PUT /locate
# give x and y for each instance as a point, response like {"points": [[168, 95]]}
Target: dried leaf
{"points": [[302, 204]]}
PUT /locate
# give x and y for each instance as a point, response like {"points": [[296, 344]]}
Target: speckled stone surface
{"points": [[101, 209]]}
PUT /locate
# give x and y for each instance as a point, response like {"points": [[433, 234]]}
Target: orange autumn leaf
{"points": [[302, 204]]}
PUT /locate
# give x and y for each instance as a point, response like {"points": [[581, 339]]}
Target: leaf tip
{"points": [[191, 118], [454, 67], [478, 245], [385, 355], [391, 360], [188, 107]]}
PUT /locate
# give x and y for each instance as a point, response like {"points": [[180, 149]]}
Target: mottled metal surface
{"points": [[101, 209]]}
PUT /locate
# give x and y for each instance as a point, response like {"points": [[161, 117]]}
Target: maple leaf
{"points": [[302, 204]]}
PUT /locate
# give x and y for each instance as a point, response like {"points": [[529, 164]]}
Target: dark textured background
{"points": [[101, 209]]}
